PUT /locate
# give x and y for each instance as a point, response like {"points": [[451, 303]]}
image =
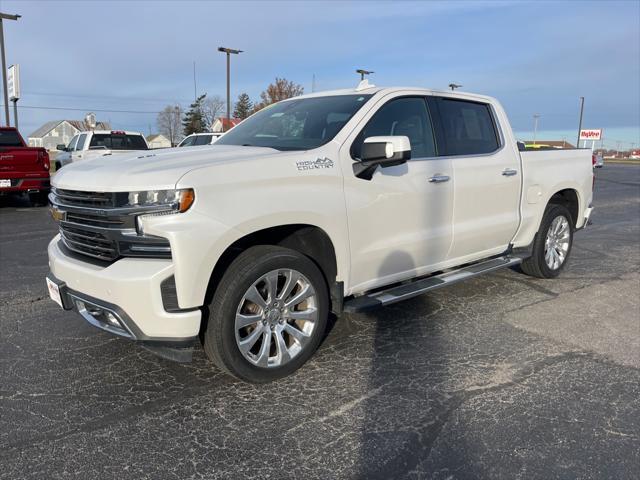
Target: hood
{"points": [[149, 170]]}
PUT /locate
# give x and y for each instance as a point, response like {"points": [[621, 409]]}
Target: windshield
{"points": [[296, 124], [113, 141]]}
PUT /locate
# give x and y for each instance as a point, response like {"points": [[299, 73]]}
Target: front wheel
{"points": [[268, 315], [552, 245]]}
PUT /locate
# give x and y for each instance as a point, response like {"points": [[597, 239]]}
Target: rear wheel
{"points": [[268, 314], [552, 244]]}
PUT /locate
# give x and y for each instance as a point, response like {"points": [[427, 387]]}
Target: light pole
{"points": [[580, 121], [453, 86], [5, 16], [363, 73], [228, 51], [536, 116]]}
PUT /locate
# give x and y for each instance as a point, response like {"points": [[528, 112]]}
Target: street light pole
{"points": [[228, 51], [536, 116], [5, 16], [580, 122]]}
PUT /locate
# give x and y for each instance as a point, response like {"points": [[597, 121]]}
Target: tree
{"points": [[169, 123], [243, 107], [211, 109], [281, 89], [194, 121]]}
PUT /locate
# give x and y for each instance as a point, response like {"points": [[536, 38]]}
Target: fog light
{"points": [[110, 317]]}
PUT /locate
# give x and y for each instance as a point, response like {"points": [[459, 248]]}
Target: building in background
{"points": [[221, 124], [57, 132], [158, 141]]}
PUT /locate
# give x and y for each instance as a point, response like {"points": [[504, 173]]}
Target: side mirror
{"points": [[62, 147], [384, 151]]}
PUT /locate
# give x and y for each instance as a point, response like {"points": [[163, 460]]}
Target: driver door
{"points": [[400, 221]]}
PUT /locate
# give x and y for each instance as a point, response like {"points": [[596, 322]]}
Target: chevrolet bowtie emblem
{"points": [[57, 214]]}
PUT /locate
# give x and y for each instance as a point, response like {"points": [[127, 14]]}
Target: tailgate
{"points": [[25, 159]]}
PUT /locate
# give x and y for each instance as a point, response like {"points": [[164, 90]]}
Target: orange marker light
{"points": [[187, 197]]}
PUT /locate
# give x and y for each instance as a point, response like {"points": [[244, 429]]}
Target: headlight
{"points": [[166, 200]]}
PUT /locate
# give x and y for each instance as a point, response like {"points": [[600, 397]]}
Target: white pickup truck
{"points": [[336, 201], [98, 143]]}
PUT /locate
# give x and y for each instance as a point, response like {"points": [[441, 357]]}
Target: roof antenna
{"points": [[364, 83], [453, 86]]}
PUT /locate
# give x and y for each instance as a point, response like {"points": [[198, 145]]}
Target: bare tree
{"points": [[212, 107], [281, 89], [170, 123]]}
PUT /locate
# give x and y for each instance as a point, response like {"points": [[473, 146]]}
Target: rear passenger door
{"points": [[487, 177]]}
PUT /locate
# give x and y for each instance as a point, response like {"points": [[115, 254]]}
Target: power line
{"points": [[88, 109], [100, 96]]}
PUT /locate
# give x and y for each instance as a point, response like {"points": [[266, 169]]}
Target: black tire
{"points": [[536, 266], [220, 337], [39, 199]]}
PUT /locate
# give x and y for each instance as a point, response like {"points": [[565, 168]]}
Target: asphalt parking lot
{"points": [[500, 377]]}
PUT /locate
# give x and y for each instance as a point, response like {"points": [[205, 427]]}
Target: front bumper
{"points": [[129, 290]]}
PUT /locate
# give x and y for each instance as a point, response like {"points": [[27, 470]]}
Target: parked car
{"points": [[336, 201], [98, 143], [200, 139], [598, 161], [23, 169]]}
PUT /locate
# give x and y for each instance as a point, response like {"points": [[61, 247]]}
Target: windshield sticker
{"points": [[314, 164]]}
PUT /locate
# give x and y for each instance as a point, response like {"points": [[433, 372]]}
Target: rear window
{"points": [[112, 141], [10, 138], [468, 127]]}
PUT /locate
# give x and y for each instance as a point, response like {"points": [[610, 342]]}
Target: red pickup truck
{"points": [[23, 169]]}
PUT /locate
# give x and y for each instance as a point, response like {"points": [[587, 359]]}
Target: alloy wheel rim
{"points": [[275, 318], [556, 245]]}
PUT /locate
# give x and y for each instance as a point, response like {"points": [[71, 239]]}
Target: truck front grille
{"points": [[95, 224], [88, 242], [86, 199]]}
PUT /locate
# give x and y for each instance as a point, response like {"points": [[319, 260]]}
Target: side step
{"points": [[425, 284]]}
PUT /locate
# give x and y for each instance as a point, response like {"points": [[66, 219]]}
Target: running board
{"points": [[425, 284]]}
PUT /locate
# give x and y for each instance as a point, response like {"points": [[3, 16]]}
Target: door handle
{"points": [[439, 178], [509, 172]]}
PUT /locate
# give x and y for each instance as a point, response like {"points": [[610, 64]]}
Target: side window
{"points": [[72, 143], [468, 127], [406, 116], [81, 140]]}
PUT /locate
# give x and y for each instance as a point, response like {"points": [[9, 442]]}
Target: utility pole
{"points": [[580, 122], [363, 73], [5, 16], [453, 86], [195, 90], [536, 116], [228, 51]]}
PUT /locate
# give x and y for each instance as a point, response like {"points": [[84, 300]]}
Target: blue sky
{"points": [[535, 57]]}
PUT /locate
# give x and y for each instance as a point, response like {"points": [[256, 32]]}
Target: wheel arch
{"points": [[570, 198], [310, 240]]}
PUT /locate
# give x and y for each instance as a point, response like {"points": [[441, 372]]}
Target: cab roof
{"points": [[368, 89]]}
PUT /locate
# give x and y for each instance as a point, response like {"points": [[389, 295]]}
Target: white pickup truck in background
{"points": [[98, 143], [334, 201]]}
